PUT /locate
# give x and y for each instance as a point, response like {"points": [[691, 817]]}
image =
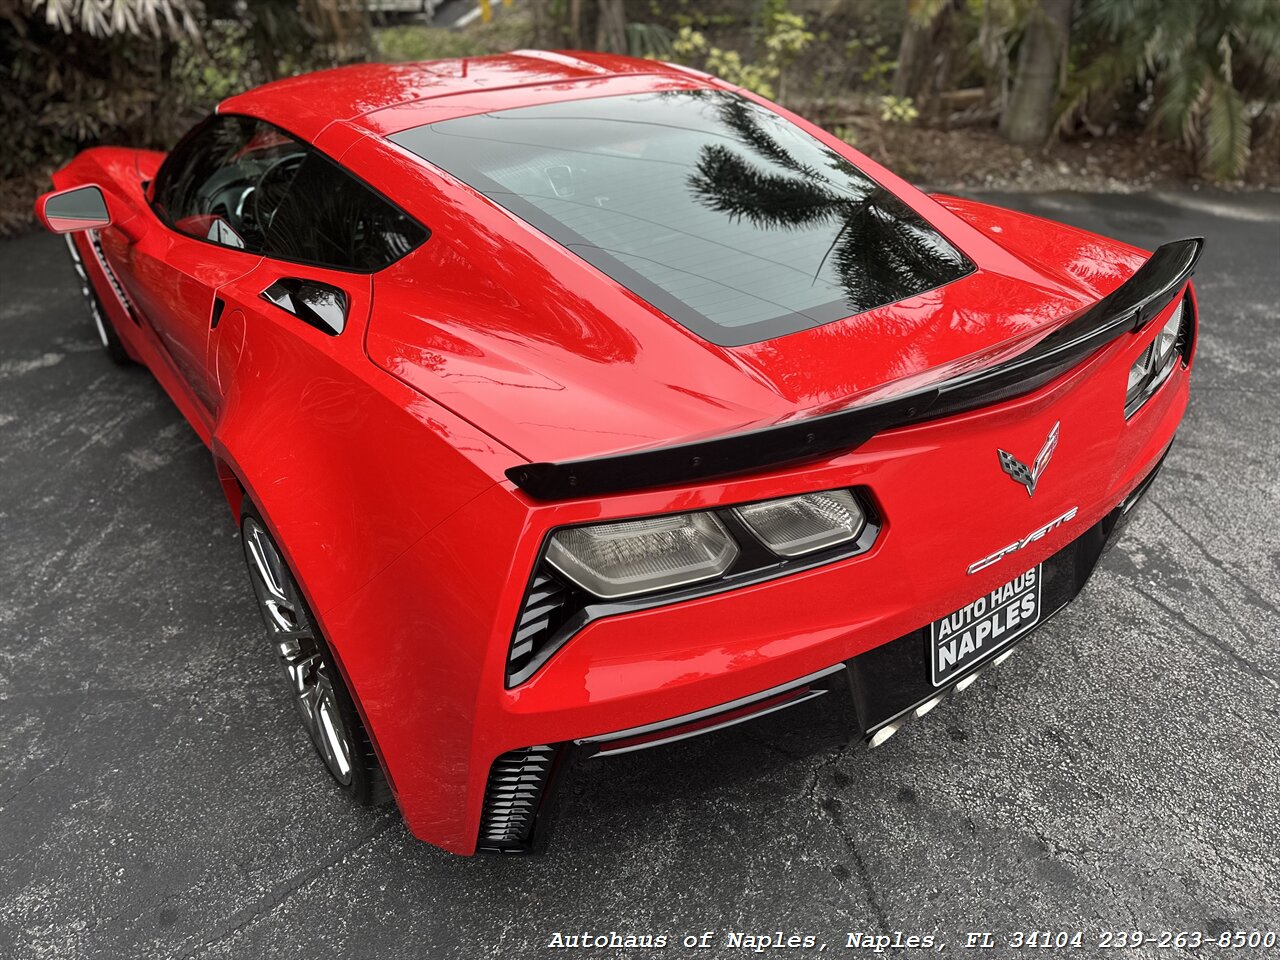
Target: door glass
{"points": [[223, 181], [242, 183]]}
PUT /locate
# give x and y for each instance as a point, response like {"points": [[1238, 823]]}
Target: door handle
{"points": [[318, 304], [218, 306]]}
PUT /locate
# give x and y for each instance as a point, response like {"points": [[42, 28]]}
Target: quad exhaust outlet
{"points": [[882, 734]]}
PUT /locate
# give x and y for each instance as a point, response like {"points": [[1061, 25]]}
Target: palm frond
{"points": [[651, 41], [1182, 95], [735, 114], [727, 183], [1207, 61], [1106, 74], [106, 18], [1226, 130]]}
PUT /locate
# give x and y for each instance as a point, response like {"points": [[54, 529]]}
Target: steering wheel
{"points": [[271, 189]]}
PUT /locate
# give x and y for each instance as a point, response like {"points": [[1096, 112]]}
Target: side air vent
{"points": [[546, 605], [96, 246], [517, 782], [1187, 331], [317, 304]]}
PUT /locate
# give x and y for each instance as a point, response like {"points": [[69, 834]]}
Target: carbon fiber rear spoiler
{"points": [[1126, 310]]}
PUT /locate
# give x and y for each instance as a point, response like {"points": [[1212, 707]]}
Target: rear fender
{"points": [[348, 467], [1094, 264]]}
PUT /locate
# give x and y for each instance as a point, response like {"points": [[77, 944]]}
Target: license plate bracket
{"points": [[977, 630]]}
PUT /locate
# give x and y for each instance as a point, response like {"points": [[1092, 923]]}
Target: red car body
{"points": [[490, 346]]}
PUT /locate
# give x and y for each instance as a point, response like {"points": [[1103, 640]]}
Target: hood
{"points": [[558, 362]]}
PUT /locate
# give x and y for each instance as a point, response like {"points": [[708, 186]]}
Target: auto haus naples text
{"points": [[987, 623]]}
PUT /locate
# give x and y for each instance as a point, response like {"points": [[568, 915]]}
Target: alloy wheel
{"points": [[299, 651]]}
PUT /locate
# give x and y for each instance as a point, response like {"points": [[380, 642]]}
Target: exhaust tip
{"points": [[1002, 657], [883, 734], [925, 707], [967, 682]]}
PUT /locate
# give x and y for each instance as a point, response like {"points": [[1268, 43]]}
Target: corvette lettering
{"points": [[1017, 545]]}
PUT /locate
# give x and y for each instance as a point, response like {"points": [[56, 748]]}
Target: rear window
{"points": [[720, 213]]}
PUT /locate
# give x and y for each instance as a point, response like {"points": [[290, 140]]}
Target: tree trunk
{"points": [[1028, 115], [924, 53], [611, 27], [542, 34], [573, 29]]}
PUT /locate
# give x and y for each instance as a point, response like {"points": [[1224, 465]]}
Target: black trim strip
{"points": [[1127, 309], [675, 728], [100, 255]]}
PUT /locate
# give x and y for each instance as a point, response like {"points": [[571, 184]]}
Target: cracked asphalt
{"points": [[159, 799]]}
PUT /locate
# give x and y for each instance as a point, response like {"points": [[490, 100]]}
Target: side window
{"points": [[243, 183], [329, 218], [223, 181]]}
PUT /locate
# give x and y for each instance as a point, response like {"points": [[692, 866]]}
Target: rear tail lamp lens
{"points": [[1154, 364], [614, 560], [1139, 374], [794, 526], [1166, 344], [598, 570]]}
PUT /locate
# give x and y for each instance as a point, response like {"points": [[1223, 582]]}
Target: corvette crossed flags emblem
{"points": [[1030, 476]]}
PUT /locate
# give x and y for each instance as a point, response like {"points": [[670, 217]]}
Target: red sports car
{"points": [[573, 404]]}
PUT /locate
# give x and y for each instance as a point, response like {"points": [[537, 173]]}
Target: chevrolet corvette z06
{"points": [[572, 405]]}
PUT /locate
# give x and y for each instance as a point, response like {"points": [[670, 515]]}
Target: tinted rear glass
{"points": [[720, 213]]}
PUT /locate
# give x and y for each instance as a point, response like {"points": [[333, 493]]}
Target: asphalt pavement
{"points": [[159, 799]]}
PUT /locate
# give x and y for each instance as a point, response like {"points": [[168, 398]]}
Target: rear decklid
{"points": [[609, 290]]}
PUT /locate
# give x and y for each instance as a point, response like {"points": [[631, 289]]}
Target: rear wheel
{"points": [[111, 342], [314, 683]]}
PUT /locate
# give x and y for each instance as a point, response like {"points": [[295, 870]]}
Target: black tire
{"points": [[111, 342], [315, 683]]}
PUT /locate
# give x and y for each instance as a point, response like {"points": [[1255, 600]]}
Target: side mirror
{"points": [[80, 208]]}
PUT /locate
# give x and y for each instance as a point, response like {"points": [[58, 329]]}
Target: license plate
{"points": [[976, 631]]}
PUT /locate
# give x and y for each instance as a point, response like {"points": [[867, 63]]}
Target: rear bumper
{"points": [[868, 696]]}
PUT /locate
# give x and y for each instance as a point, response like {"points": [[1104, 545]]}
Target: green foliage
{"points": [[216, 67], [508, 29], [83, 72], [880, 63], [1203, 63], [410, 42], [783, 39], [1226, 129], [845, 133], [696, 15], [651, 41], [898, 109], [691, 45]]}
